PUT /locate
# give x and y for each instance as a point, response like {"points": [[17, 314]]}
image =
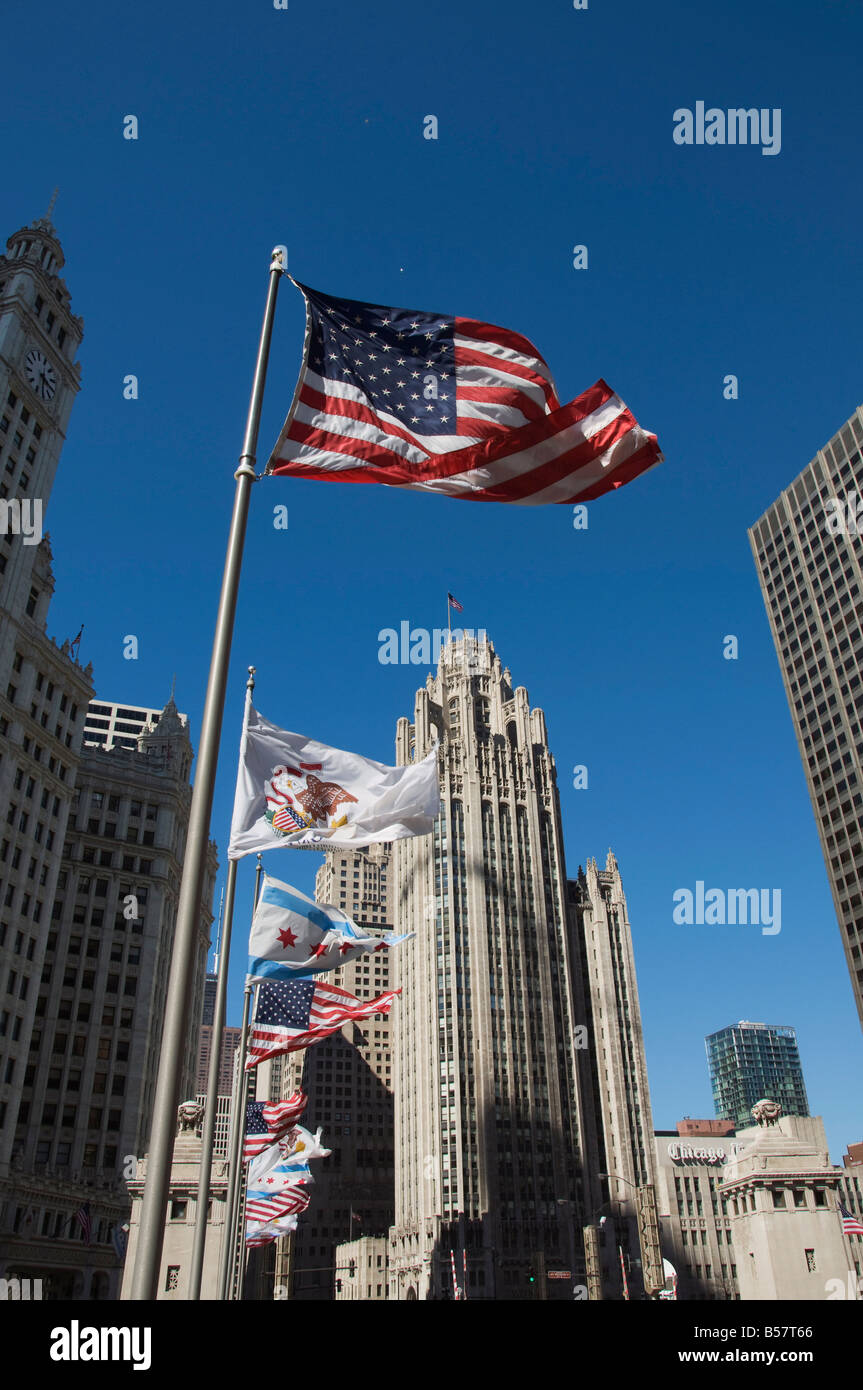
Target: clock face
{"points": [[40, 374]]}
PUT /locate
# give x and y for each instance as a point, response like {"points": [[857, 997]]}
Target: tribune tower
{"points": [[491, 1135]]}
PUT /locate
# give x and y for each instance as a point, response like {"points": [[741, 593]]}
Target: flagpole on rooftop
{"points": [[203, 1199], [181, 982]]}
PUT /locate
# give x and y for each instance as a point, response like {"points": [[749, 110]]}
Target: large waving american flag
{"points": [[296, 1013], [448, 405]]}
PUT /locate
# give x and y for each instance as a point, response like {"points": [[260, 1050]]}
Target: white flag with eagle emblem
{"points": [[295, 793]]}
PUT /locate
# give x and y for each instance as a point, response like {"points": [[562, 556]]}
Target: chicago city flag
{"points": [[448, 405], [293, 937], [294, 792]]}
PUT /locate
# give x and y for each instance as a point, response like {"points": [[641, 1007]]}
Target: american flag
{"points": [[448, 405], [286, 819], [82, 1216], [267, 1123], [288, 1200], [264, 1232], [454, 603], [850, 1224], [292, 1014]]}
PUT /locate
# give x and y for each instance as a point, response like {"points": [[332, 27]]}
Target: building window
{"points": [[810, 1261], [172, 1280], [779, 1196], [179, 1207]]}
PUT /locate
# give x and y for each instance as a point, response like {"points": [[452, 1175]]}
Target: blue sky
{"points": [[305, 127]]}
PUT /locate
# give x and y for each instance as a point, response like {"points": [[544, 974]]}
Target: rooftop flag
{"points": [[297, 1013], [448, 405], [293, 937], [294, 792]]}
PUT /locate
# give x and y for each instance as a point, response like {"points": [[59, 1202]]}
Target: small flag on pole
{"points": [[448, 405], [297, 1013], [264, 1232], [292, 791], [265, 1124], [293, 937], [850, 1224], [454, 603], [82, 1216]]}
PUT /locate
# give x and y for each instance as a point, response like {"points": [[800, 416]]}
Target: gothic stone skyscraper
{"points": [[810, 567], [490, 1148], [43, 689]]}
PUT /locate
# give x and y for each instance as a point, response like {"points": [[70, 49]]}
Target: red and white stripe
{"points": [[331, 1008], [513, 440]]}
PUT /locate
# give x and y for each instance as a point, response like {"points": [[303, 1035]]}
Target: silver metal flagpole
{"points": [[182, 978], [238, 1130], [238, 1107], [203, 1199]]}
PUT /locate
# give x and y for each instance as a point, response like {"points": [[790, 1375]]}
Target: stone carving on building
{"points": [[189, 1117], [766, 1112]]}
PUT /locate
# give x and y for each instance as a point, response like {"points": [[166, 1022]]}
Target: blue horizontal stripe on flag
{"points": [[277, 970], [279, 898]]}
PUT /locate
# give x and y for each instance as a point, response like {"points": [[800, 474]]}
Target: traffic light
{"points": [[531, 1276]]}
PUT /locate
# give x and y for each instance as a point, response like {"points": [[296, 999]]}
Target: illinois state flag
{"points": [[293, 937], [295, 793], [448, 405]]}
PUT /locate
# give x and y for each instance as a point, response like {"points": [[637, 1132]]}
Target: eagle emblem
{"points": [[299, 800]]}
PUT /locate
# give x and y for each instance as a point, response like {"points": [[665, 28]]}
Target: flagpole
{"points": [[209, 1130], [181, 983], [235, 1151], [238, 1129]]}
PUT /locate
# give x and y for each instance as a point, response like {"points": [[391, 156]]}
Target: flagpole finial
{"points": [[279, 259], [250, 683]]}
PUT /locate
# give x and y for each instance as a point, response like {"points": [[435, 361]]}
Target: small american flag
{"points": [[292, 1014], [448, 405], [286, 819], [454, 603], [82, 1216], [850, 1224], [265, 1124]]}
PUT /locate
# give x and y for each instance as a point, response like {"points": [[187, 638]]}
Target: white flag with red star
{"points": [[293, 937]]}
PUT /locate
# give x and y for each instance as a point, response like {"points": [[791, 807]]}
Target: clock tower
{"points": [[39, 379], [44, 690]]}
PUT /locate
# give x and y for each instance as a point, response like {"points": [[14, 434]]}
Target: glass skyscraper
{"points": [[755, 1061]]}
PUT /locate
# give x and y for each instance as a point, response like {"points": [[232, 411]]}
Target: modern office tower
{"points": [[230, 1043], [751, 1061], [43, 689], [85, 1103], [620, 1125], [491, 1159], [808, 549], [348, 1079], [208, 1011]]}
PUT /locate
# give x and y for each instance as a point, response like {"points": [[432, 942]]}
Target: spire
{"points": [[49, 214]]}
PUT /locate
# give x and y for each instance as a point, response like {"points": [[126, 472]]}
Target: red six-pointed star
{"points": [[287, 937]]}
